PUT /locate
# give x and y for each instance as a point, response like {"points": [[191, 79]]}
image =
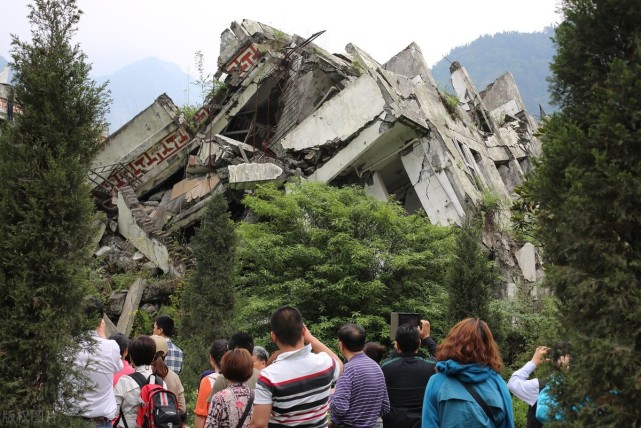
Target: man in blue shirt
{"points": [[360, 396]]}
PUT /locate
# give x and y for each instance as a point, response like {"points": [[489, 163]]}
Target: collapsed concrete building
{"points": [[7, 106], [287, 108]]}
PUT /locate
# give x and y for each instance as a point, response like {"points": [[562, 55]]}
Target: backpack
{"points": [[159, 407]]}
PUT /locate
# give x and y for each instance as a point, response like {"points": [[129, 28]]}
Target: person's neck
{"points": [[100, 331], [290, 348], [349, 355]]}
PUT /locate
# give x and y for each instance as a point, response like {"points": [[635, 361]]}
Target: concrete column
{"points": [[132, 301], [377, 189]]}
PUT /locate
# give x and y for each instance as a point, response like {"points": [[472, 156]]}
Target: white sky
{"points": [[116, 33]]}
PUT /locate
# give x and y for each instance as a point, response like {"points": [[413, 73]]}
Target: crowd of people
{"points": [[305, 384]]}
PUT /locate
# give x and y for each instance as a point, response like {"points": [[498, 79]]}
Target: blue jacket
{"points": [[448, 404], [545, 407]]}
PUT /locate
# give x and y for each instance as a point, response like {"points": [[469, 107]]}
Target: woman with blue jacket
{"points": [[467, 391]]}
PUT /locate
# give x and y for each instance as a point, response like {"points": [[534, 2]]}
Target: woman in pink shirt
{"points": [[123, 342]]}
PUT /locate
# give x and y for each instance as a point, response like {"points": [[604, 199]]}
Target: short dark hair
{"points": [[287, 325], [374, 350], [560, 349], [218, 349], [142, 350], [94, 310], [237, 365], [352, 336], [122, 342], [407, 338], [241, 340], [166, 323]]}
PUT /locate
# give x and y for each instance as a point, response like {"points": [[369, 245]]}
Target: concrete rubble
{"points": [[287, 108]]}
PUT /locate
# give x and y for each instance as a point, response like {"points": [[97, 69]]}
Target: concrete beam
{"points": [[152, 248], [526, 258], [132, 301], [248, 175]]}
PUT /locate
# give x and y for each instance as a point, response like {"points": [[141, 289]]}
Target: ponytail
{"points": [[158, 366]]}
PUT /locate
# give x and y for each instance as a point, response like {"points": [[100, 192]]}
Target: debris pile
{"points": [[287, 108]]}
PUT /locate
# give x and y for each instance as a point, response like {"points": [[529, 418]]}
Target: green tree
{"points": [[472, 279], [208, 301], [588, 185], [45, 208], [339, 256]]}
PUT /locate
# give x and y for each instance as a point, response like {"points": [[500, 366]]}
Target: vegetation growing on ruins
{"points": [[587, 188], [45, 209]]}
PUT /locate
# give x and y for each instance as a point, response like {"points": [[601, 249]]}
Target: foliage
{"points": [[208, 301], [490, 209], [339, 256], [451, 103], [524, 212], [358, 66], [522, 323], [142, 323], [205, 80], [588, 185], [472, 278], [45, 209], [122, 281], [189, 111]]}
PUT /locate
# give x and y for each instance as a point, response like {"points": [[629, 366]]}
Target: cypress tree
{"points": [[207, 305], [471, 277], [588, 185], [45, 210]]}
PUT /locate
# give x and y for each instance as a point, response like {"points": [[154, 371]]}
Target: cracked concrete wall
{"points": [[143, 131], [424, 167], [340, 118]]}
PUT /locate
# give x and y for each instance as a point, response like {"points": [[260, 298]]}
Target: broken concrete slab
{"points": [[526, 258], [192, 190], [338, 119], [248, 175], [111, 329], [140, 230], [132, 302], [128, 152], [102, 251]]}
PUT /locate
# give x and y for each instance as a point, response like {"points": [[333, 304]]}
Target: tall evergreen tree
{"points": [[45, 207], [588, 184], [207, 305], [471, 277]]}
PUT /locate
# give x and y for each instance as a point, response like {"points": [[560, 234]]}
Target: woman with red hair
{"points": [[467, 391]]}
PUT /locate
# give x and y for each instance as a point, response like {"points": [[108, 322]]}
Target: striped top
{"points": [[297, 386], [360, 396]]}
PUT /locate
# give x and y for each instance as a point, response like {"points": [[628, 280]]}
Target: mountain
{"points": [[136, 86], [3, 62], [526, 55]]}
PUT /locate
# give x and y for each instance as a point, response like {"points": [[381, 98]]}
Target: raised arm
{"points": [[318, 347]]}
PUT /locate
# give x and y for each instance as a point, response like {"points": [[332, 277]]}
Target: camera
{"points": [[400, 318]]}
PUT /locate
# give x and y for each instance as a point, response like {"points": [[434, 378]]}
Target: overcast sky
{"points": [[115, 33]]}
